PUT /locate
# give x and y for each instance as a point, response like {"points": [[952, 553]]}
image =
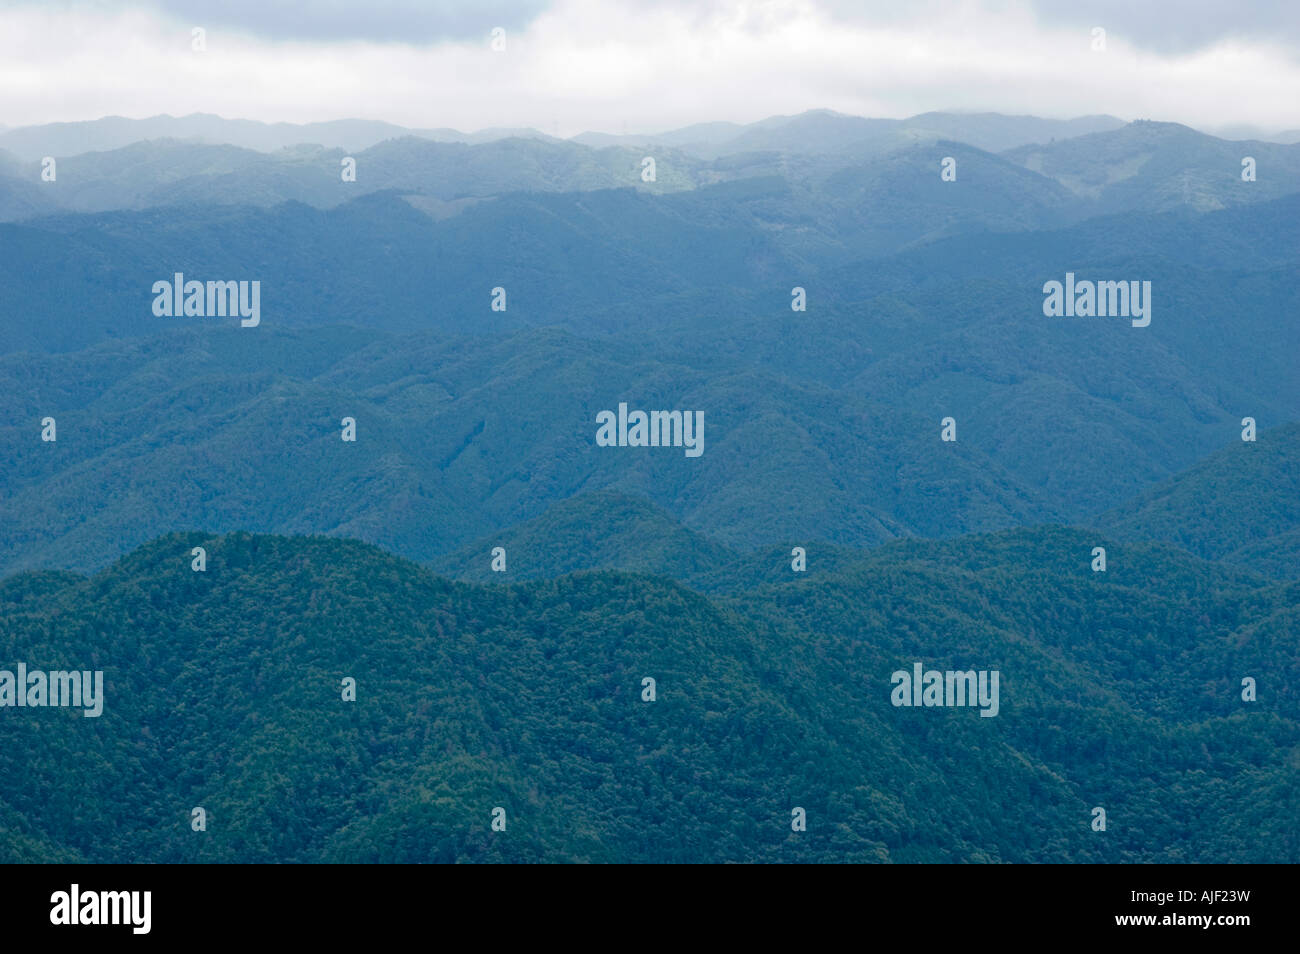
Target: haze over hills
{"points": [[1147, 165], [173, 172], [889, 193], [115, 132], [20, 199], [685, 298], [814, 131], [987, 131], [592, 260], [471, 304], [824, 131], [460, 437]]}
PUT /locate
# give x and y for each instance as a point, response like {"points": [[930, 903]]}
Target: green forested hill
{"points": [[1240, 505], [598, 530], [1119, 690], [609, 530]]}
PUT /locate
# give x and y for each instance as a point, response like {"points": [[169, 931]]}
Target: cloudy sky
{"points": [[616, 65]]}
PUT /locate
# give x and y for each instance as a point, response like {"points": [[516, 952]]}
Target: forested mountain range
{"points": [[460, 437], [814, 131], [1095, 167], [1118, 690], [1239, 505], [472, 304]]}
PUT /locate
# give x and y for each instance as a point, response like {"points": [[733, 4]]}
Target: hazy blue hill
{"points": [[822, 425], [814, 131], [174, 172], [1154, 166], [1090, 410], [457, 438], [1247, 131], [1277, 554], [610, 530], [697, 296], [817, 131], [598, 530], [455, 170], [606, 260], [21, 192], [368, 261], [23, 198], [996, 132], [822, 213], [1251, 239], [223, 691], [1098, 168], [164, 172], [618, 259], [591, 261], [959, 324], [880, 190], [1241, 505], [115, 132], [889, 203], [696, 138], [823, 131], [1027, 389], [307, 174], [463, 438]]}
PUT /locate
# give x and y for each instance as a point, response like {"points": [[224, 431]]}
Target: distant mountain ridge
{"points": [[115, 132], [840, 167], [823, 131], [1150, 165]]}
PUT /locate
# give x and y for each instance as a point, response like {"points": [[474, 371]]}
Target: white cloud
{"points": [[614, 65]]}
